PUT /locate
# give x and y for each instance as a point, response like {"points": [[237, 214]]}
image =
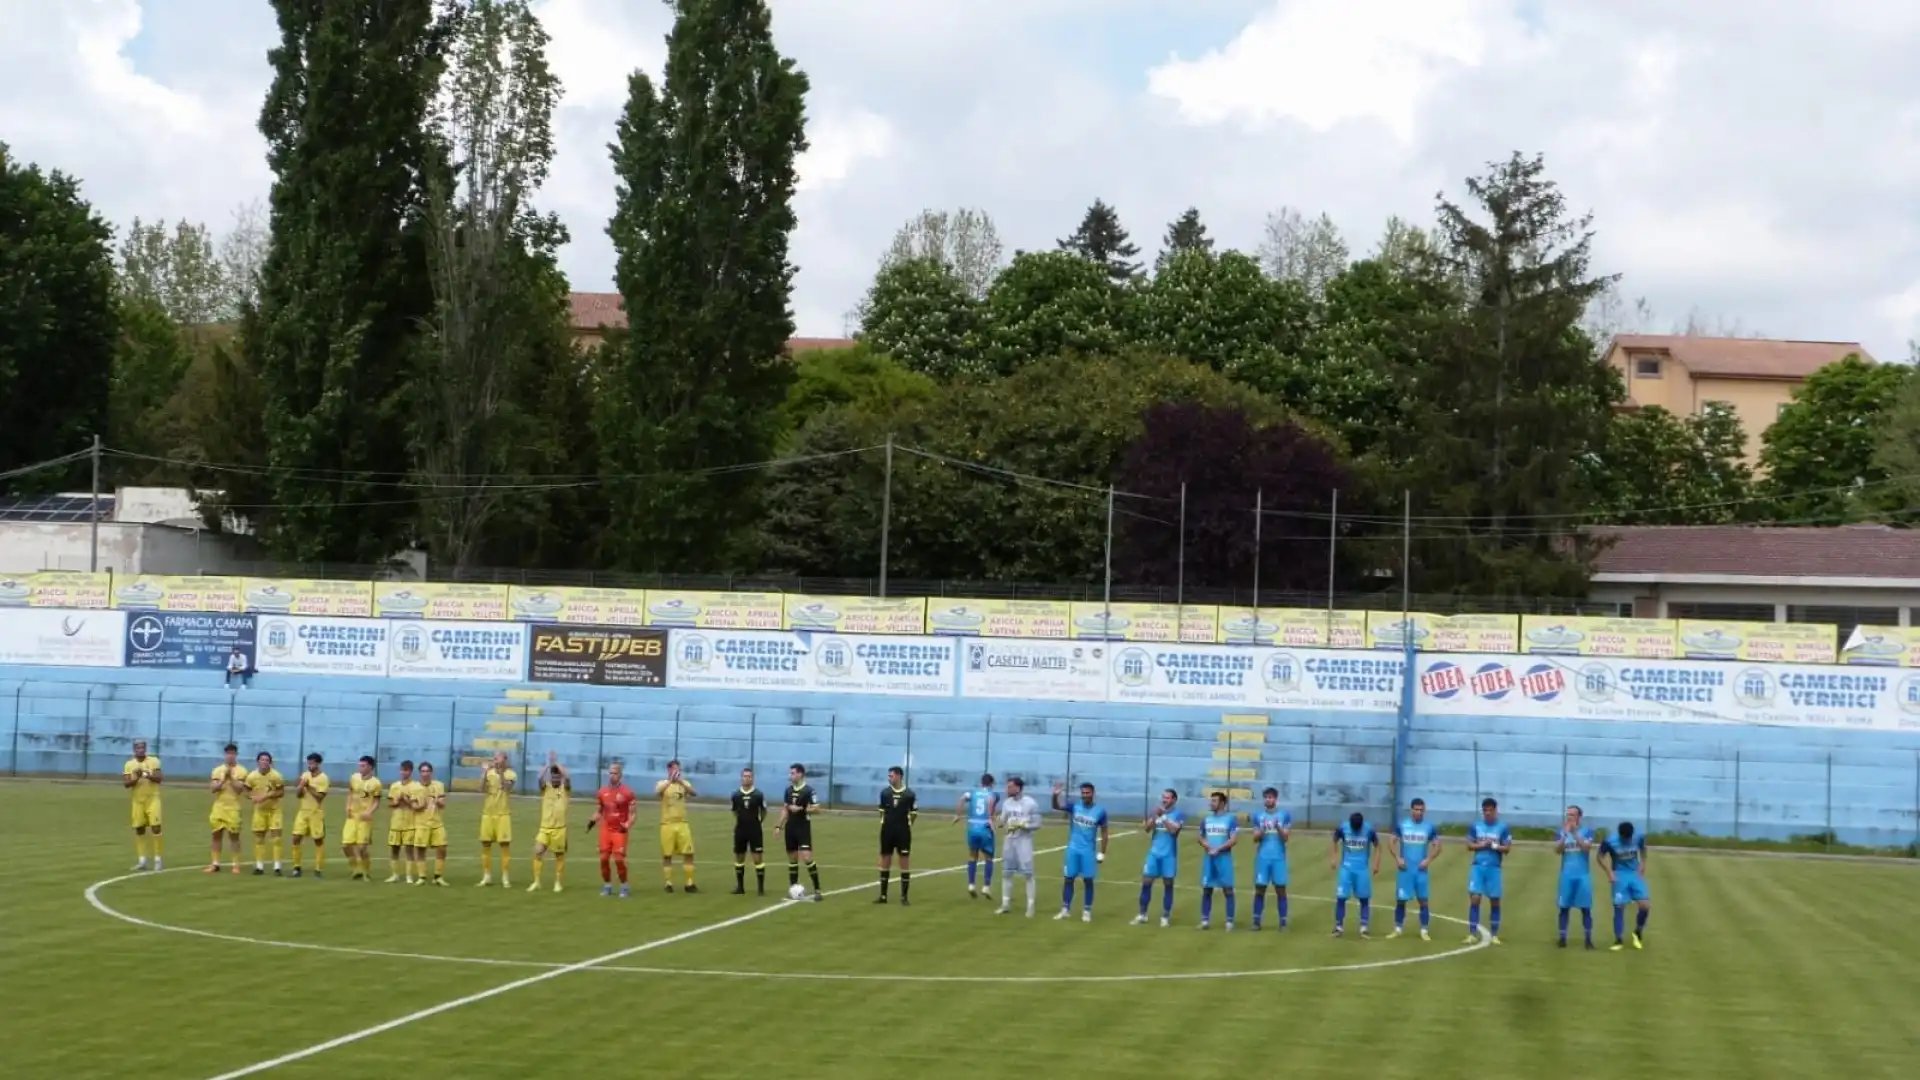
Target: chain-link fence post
{"points": [[86, 739], [1736, 794]]}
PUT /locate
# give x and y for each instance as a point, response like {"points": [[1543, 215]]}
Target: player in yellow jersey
{"points": [[496, 818], [228, 783], [400, 824], [429, 829], [676, 838], [268, 788], [356, 835], [141, 775], [556, 787], [311, 819]]}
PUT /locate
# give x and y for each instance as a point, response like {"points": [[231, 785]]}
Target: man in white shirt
{"points": [[1019, 816], [238, 668]]}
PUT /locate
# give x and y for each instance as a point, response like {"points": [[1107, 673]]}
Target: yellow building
{"points": [[1756, 377]]}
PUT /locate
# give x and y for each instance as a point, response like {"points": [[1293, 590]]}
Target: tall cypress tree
{"points": [[705, 164], [344, 287]]}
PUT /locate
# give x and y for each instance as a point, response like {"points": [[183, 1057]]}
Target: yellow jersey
{"points": [[144, 791], [399, 798], [553, 807], [363, 795], [493, 792], [428, 796], [271, 783], [673, 801], [227, 798], [316, 786]]}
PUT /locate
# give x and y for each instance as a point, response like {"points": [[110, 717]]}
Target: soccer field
{"points": [[1754, 967]]}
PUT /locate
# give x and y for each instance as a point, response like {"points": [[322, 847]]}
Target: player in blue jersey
{"points": [[1086, 848], [1624, 855], [1219, 832], [979, 807], [1356, 858], [1275, 828], [1415, 845], [1574, 843], [1489, 839], [1163, 856]]}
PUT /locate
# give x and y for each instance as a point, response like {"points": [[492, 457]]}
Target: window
{"points": [[1646, 367], [1721, 612]]}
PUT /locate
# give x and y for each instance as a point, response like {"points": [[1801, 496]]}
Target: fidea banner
{"points": [[603, 655]]}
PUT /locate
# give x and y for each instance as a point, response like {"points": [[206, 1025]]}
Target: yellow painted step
{"points": [[509, 727], [1239, 794], [496, 744], [516, 710], [1245, 719], [530, 695], [1232, 773], [1248, 754], [471, 762], [1228, 736]]}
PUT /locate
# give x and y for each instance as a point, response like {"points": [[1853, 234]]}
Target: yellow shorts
{"points": [[146, 815], [434, 836], [267, 820], [399, 833], [311, 823], [676, 839], [496, 827], [554, 840], [356, 833], [225, 820]]}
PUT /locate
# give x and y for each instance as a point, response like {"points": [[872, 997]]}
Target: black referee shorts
{"points": [[748, 838], [896, 840], [799, 836]]}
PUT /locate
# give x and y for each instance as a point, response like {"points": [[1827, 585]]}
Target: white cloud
{"points": [[838, 142]]}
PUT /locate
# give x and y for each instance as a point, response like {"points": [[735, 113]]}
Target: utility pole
{"points": [[93, 559], [1259, 498], [886, 516]]}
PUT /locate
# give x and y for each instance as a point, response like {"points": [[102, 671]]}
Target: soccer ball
{"points": [[796, 892]]}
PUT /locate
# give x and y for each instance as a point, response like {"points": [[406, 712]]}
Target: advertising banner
{"points": [[181, 639], [1589, 635], [1796, 643], [320, 645], [487, 651], [1883, 646], [158, 592], [804, 660], [1035, 669], [307, 596], [1255, 677], [1443, 633], [716, 610], [579, 606], [603, 655], [454, 601], [1300, 628], [1195, 623], [857, 614], [51, 638], [1000, 618], [56, 589]]}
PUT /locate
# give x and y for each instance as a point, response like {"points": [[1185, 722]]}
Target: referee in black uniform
{"points": [[797, 826], [897, 811], [749, 818]]}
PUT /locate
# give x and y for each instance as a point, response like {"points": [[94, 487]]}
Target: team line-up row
{"points": [[416, 837]]}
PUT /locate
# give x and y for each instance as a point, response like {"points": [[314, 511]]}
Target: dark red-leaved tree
{"points": [[1226, 462]]}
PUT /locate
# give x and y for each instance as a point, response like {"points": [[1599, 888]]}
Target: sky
{"points": [[1756, 162]]}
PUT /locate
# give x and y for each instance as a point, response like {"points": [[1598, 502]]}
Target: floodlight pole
{"points": [[93, 558], [886, 516]]}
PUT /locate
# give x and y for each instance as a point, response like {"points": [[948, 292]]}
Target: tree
{"points": [[150, 362], [1831, 446], [1295, 248], [1101, 240], [174, 269], [1403, 246], [870, 383], [1228, 465], [1661, 469], [57, 323], [1050, 303], [499, 310], [921, 314], [243, 252], [705, 167], [1221, 311], [1187, 233], [965, 242], [344, 287]]}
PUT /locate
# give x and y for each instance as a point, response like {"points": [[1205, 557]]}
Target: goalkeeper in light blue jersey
{"points": [[979, 807]]}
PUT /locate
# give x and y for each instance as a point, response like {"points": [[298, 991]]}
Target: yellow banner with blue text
{"points": [[1000, 618], [1443, 633], [1794, 643], [857, 614], [716, 610], [454, 601], [575, 604], [161, 592], [1300, 628], [1595, 635], [1883, 646], [1196, 624], [308, 596], [56, 589]]}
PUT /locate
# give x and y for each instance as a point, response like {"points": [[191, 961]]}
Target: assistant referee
{"points": [[897, 811]]}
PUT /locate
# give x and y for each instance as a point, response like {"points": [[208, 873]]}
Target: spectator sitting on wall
{"points": [[239, 668]]}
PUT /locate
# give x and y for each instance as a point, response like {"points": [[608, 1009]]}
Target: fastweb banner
{"points": [[811, 662]]}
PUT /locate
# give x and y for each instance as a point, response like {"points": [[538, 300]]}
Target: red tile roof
{"points": [[1744, 358], [1864, 551], [594, 312]]}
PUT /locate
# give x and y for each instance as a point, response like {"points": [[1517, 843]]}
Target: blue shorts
{"points": [[1216, 872], [1412, 886], [980, 838], [1165, 865], [1484, 881], [1081, 864], [1629, 890], [1353, 885], [1576, 891], [1270, 870]]}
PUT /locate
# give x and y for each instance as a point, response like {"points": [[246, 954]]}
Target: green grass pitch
{"points": [[1754, 967]]}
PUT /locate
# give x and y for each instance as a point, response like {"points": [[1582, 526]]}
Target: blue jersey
{"points": [[1269, 823], [1625, 857], [1217, 829], [1356, 845], [1416, 839], [980, 809], [1163, 842], [1083, 826], [1497, 832], [1573, 861]]}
